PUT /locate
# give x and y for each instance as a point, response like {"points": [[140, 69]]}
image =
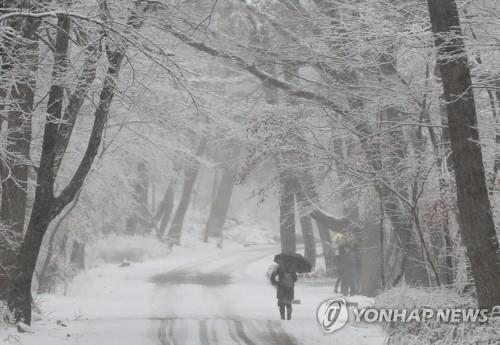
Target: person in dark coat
{"points": [[357, 268], [351, 269], [339, 266], [285, 284]]}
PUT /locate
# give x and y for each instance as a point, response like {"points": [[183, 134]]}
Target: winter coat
{"points": [[350, 265], [285, 295]]}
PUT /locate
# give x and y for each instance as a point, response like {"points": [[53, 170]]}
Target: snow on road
{"points": [[196, 295]]}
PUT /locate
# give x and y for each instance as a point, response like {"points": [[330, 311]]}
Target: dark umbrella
{"points": [[293, 263]]}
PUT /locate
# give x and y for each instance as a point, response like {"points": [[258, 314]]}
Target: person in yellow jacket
{"points": [[338, 237]]}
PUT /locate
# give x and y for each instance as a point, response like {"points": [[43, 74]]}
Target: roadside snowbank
{"points": [[432, 332]]}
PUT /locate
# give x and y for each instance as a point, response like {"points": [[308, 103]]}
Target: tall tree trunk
{"points": [[306, 227], [371, 269], [221, 202], [309, 241], [14, 186], [191, 171], [166, 207], [15, 173], [475, 215], [215, 187], [287, 215], [350, 205], [139, 221], [448, 267], [220, 206], [327, 247], [77, 257], [14, 168], [308, 199]]}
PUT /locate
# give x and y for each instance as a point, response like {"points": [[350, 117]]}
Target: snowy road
{"points": [[219, 288], [196, 296], [222, 331]]}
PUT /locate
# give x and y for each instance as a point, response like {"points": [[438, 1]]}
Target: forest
{"points": [[135, 131]]}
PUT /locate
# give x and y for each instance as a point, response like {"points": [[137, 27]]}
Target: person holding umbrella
{"points": [[284, 278]]}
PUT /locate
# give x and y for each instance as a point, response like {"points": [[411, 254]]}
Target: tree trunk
{"points": [[350, 209], [287, 216], [306, 227], [447, 269], [220, 206], [371, 269], [77, 257], [15, 172], [445, 159], [14, 186], [475, 215], [14, 169], [166, 207], [221, 202], [215, 187], [309, 241], [327, 247], [20, 296], [191, 171], [139, 221]]}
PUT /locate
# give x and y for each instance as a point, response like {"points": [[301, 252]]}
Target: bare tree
{"points": [[475, 216], [191, 171], [47, 206]]}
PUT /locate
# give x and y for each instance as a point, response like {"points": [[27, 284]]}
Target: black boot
{"points": [[282, 311], [288, 311]]}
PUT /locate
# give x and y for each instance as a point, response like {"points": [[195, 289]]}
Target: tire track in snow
{"points": [[203, 332], [165, 332], [279, 335], [240, 332], [210, 331], [232, 332]]}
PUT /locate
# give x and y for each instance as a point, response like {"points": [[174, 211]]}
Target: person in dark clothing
{"points": [[357, 268], [285, 284], [351, 267], [339, 267]]}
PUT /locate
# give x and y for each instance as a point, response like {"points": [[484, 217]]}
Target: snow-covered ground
{"points": [[197, 295]]}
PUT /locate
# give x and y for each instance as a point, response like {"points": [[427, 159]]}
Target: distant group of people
{"points": [[347, 263]]}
